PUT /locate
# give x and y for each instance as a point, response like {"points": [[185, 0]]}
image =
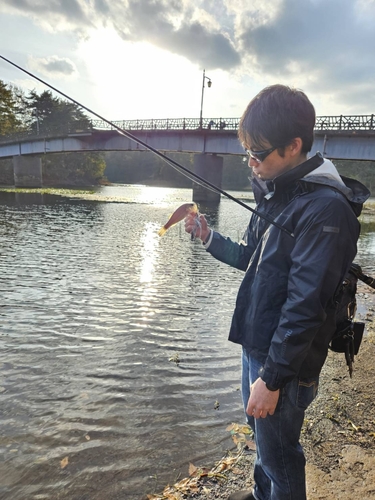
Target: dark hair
{"points": [[277, 115]]}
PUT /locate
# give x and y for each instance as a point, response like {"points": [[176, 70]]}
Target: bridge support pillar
{"points": [[210, 168], [27, 171]]}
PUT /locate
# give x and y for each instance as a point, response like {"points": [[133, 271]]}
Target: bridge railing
{"points": [[171, 124], [323, 123], [45, 132], [337, 123], [351, 122]]}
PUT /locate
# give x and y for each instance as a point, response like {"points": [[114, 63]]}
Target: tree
{"points": [[53, 115], [73, 169], [362, 170], [9, 122], [144, 167], [236, 173]]}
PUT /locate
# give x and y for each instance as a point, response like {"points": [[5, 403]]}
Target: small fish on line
{"points": [[178, 215]]}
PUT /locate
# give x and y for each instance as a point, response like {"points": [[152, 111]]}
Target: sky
{"points": [[131, 59]]}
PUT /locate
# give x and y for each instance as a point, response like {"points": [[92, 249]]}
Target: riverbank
{"points": [[338, 435]]}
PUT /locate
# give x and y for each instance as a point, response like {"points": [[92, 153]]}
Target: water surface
{"points": [[96, 309]]}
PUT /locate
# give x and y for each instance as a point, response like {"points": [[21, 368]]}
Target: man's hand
{"points": [[262, 402], [200, 230]]}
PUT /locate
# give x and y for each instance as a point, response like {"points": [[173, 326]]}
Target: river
{"points": [[116, 371]]}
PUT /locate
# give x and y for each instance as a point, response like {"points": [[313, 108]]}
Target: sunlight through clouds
{"points": [[139, 79]]}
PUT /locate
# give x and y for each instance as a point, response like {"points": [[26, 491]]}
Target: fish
{"points": [[180, 213]]}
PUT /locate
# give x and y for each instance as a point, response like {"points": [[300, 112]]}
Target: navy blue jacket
{"points": [[285, 312]]}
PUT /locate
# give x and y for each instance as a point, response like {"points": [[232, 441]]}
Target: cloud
{"points": [[322, 46], [63, 8], [325, 46], [210, 50], [183, 29], [53, 66], [178, 26], [51, 14]]}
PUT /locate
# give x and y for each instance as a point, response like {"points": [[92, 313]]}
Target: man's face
{"points": [[274, 164]]}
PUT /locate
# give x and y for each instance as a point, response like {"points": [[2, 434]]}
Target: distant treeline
{"points": [[34, 113], [143, 167], [363, 171]]}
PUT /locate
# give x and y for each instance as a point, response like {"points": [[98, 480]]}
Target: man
{"points": [[285, 310]]}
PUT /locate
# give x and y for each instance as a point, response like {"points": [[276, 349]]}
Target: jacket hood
{"points": [[354, 191], [328, 170]]}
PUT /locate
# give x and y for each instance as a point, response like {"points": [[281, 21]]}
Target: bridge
{"points": [[336, 137]]}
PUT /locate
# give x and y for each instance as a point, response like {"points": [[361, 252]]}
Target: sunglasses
{"points": [[260, 156]]}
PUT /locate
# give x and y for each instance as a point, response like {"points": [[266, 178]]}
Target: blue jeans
{"points": [[279, 469]]}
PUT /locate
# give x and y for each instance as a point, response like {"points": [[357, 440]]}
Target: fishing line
{"points": [[180, 168]]}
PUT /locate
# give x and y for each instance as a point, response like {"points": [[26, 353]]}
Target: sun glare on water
{"points": [[150, 244], [154, 195]]}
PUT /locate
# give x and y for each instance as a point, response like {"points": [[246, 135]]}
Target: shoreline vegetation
{"points": [[338, 435]]}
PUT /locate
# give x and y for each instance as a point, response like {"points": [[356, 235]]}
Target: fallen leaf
{"points": [[245, 429], [175, 358], [64, 462], [236, 470], [183, 483], [192, 469], [221, 467], [193, 489], [251, 445]]}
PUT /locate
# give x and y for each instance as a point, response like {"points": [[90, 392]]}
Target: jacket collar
{"points": [[298, 172]]}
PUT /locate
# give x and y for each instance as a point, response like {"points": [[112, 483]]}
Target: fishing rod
{"points": [[180, 168]]}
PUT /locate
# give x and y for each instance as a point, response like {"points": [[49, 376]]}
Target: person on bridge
{"points": [[284, 316]]}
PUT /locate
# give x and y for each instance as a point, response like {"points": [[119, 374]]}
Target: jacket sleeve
{"points": [[325, 246], [234, 254]]}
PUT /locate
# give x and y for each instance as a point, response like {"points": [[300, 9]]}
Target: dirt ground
{"points": [[338, 436]]}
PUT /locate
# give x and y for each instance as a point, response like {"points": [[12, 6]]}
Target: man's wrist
{"points": [[269, 387], [206, 238]]}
